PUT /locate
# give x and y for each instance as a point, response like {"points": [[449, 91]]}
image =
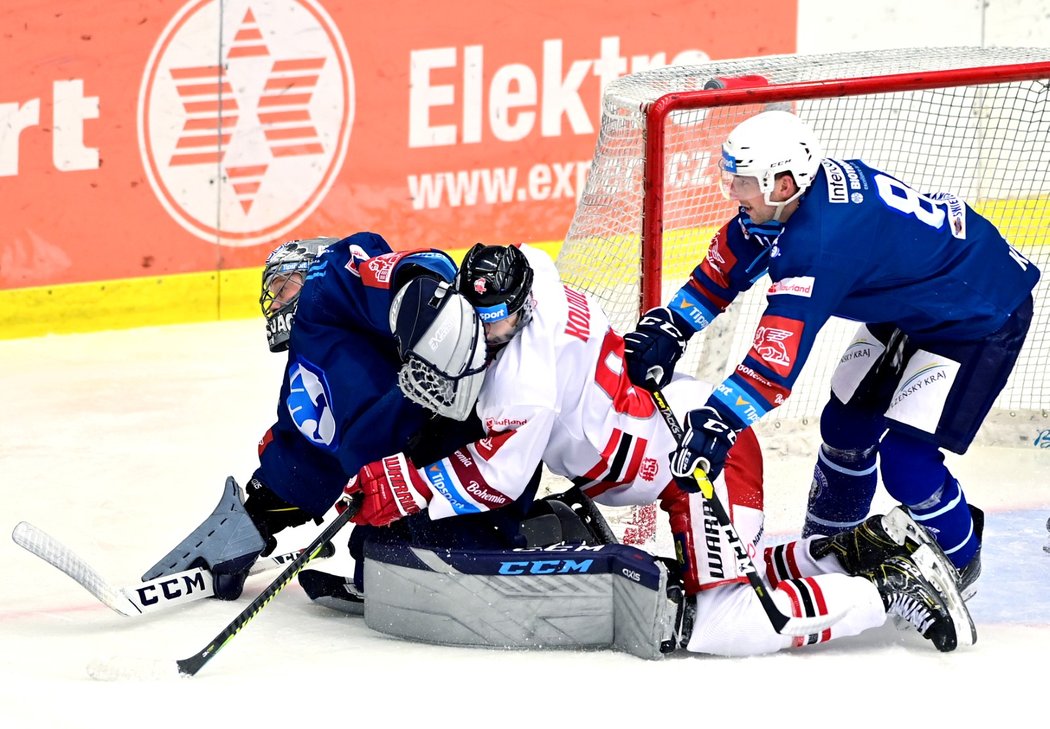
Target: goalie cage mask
{"points": [[441, 342], [497, 280], [283, 277], [766, 145]]}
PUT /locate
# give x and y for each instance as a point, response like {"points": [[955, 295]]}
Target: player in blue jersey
{"points": [[340, 406], [339, 401], [944, 304]]}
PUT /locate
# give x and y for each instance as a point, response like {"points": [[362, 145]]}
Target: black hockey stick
{"points": [[781, 623], [190, 666]]}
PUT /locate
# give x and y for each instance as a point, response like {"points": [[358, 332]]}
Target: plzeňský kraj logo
{"points": [[242, 150]]}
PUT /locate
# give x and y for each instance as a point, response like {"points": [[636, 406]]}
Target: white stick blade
{"points": [[47, 548]]}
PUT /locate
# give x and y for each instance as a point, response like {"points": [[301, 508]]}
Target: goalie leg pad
{"points": [[566, 596], [227, 543]]}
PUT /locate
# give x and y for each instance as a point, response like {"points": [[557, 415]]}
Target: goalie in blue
{"points": [[339, 406], [944, 304]]}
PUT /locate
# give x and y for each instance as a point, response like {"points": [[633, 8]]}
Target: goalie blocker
{"points": [[560, 596]]}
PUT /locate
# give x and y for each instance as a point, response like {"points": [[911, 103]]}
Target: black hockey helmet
{"points": [[497, 280]]}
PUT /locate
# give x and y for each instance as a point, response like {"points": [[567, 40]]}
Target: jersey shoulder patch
{"points": [[378, 271], [845, 181]]}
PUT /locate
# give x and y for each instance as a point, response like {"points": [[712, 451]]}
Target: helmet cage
{"points": [[276, 280], [286, 267]]}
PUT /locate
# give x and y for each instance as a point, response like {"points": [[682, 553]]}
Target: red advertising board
{"points": [[191, 136]]}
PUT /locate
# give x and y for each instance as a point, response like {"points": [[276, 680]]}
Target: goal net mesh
{"points": [[974, 134], [988, 143]]}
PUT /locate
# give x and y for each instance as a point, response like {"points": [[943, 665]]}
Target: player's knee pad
{"points": [[913, 470], [849, 428]]}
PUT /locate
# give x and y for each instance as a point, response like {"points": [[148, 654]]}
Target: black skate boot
{"points": [[335, 592], [879, 537], [921, 591]]}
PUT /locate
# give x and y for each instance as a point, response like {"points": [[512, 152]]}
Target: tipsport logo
{"points": [[242, 145]]}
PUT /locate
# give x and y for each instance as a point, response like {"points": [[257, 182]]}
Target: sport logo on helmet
{"points": [[271, 120], [480, 284], [729, 162]]}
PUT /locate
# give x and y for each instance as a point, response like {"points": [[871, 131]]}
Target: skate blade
{"points": [[942, 575]]}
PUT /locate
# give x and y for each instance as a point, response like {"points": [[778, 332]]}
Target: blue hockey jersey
{"points": [[861, 245], [340, 407]]}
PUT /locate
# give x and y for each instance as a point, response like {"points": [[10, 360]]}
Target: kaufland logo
{"points": [[797, 286], [244, 116]]}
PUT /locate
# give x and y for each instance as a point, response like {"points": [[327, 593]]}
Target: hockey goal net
{"points": [[971, 121]]}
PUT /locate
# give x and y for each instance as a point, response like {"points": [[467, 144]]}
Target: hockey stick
{"points": [[190, 666], [781, 623], [150, 596]]}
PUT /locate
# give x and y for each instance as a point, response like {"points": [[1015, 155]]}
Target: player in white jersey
{"points": [[557, 392]]}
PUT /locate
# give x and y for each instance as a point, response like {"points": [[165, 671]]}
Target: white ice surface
{"points": [[117, 444]]}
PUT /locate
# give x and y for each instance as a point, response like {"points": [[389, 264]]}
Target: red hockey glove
{"points": [[392, 489]]}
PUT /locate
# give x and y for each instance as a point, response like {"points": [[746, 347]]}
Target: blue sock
{"points": [[914, 474], [844, 483], [947, 516]]}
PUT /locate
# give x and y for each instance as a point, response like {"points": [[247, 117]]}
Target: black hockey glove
{"points": [[708, 438], [440, 436], [272, 514], [653, 349]]}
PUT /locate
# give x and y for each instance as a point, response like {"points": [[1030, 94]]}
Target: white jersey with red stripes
{"points": [[558, 393]]}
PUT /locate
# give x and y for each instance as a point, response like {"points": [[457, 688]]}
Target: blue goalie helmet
{"points": [[282, 280]]}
